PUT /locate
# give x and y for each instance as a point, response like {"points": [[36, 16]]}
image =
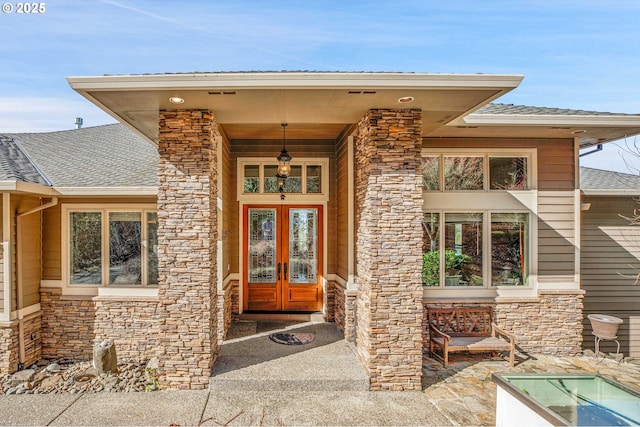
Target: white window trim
{"points": [[304, 197], [485, 201], [104, 288], [441, 153]]}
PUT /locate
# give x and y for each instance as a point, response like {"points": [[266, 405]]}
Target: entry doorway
{"points": [[282, 258]]}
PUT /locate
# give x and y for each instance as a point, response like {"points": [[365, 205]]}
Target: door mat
{"points": [[287, 338]]}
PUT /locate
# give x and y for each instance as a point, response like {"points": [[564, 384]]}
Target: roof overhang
{"points": [[14, 186], [316, 105], [20, 187], [588, 129], [610, 192]]}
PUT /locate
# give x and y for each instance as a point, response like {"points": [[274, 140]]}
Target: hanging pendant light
{"points": [[284, 159]]}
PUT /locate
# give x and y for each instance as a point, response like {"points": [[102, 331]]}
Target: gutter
{"points": [[595, 150], [20, 290]]}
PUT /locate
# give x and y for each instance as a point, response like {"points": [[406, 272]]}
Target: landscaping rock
{"points": [[51, 382], [22, 377], [105, 358], [53, 367]]}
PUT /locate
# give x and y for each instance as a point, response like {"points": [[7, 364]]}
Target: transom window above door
{"points": [[309, 179]]}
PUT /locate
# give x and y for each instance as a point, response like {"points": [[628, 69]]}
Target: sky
{"points": [[578, 54]]}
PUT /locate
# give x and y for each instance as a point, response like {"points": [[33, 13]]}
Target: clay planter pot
{"points": [[604, 327]]}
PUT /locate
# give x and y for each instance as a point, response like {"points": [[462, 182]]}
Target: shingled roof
{"points": [[525, 110], [603, 182], [15, 165], [101, 156]]}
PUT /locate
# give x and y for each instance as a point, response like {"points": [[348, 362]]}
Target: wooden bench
{"points": [[457, 329]]}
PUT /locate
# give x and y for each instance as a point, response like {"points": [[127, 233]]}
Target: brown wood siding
{"points": [[342, 201], [51, 243], [30, 252], [229, 210], [610, 261], [296, 148], [52, 229]]}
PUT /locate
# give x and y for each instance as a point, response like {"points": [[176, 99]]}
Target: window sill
{"points": [[120, 292]]}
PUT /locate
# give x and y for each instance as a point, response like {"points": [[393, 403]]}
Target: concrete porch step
{"points": [[255, 363]]}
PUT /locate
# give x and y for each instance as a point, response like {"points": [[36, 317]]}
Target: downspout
{"points": [[20, 293]]}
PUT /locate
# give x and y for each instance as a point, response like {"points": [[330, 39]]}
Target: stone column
{"points": [[187, 235], [389, 248]]}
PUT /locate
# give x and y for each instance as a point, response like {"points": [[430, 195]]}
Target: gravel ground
{"points": [[62, 376]]}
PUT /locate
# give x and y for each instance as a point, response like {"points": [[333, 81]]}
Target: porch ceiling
{"points": [[316, 105]]}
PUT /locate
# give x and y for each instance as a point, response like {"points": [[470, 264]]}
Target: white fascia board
{"points": [[27, 187], [284, 80], [550, 120], [610, 192], [107, 191]]}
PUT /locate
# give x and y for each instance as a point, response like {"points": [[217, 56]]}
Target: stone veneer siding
{"points": [[9, 351], [226, 308], [72, 325], [187, 249], [67, 325], [389, 242], [345, 311], [32, 338], [550, 324]]}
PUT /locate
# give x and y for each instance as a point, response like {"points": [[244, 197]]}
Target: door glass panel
{"points": [[303, 245], [262, 246], [125, 248], [152, 248]]}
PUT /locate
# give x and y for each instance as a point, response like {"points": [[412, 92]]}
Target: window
{"points": [[470, 172], [509, 243], [112, 247], [86, 248], [463, 173], [257, 177], [464, 263]]}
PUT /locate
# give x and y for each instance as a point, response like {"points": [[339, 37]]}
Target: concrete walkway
{"points": [[462, 394]]}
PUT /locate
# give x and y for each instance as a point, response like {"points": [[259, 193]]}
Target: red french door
{"points": [[282, 258]]}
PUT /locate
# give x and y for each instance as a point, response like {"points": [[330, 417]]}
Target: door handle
{"points": [[285, 271], [280, 268]]}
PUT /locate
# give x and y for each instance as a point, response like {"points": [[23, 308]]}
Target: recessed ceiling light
{"points": [[405, 99], [176, 100], [576, 132]]}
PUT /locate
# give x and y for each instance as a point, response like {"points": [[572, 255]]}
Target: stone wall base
{"points": [[227, 308], [32, 338], [72, 325], [344, 311], [552, 324], [9, 351]]}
